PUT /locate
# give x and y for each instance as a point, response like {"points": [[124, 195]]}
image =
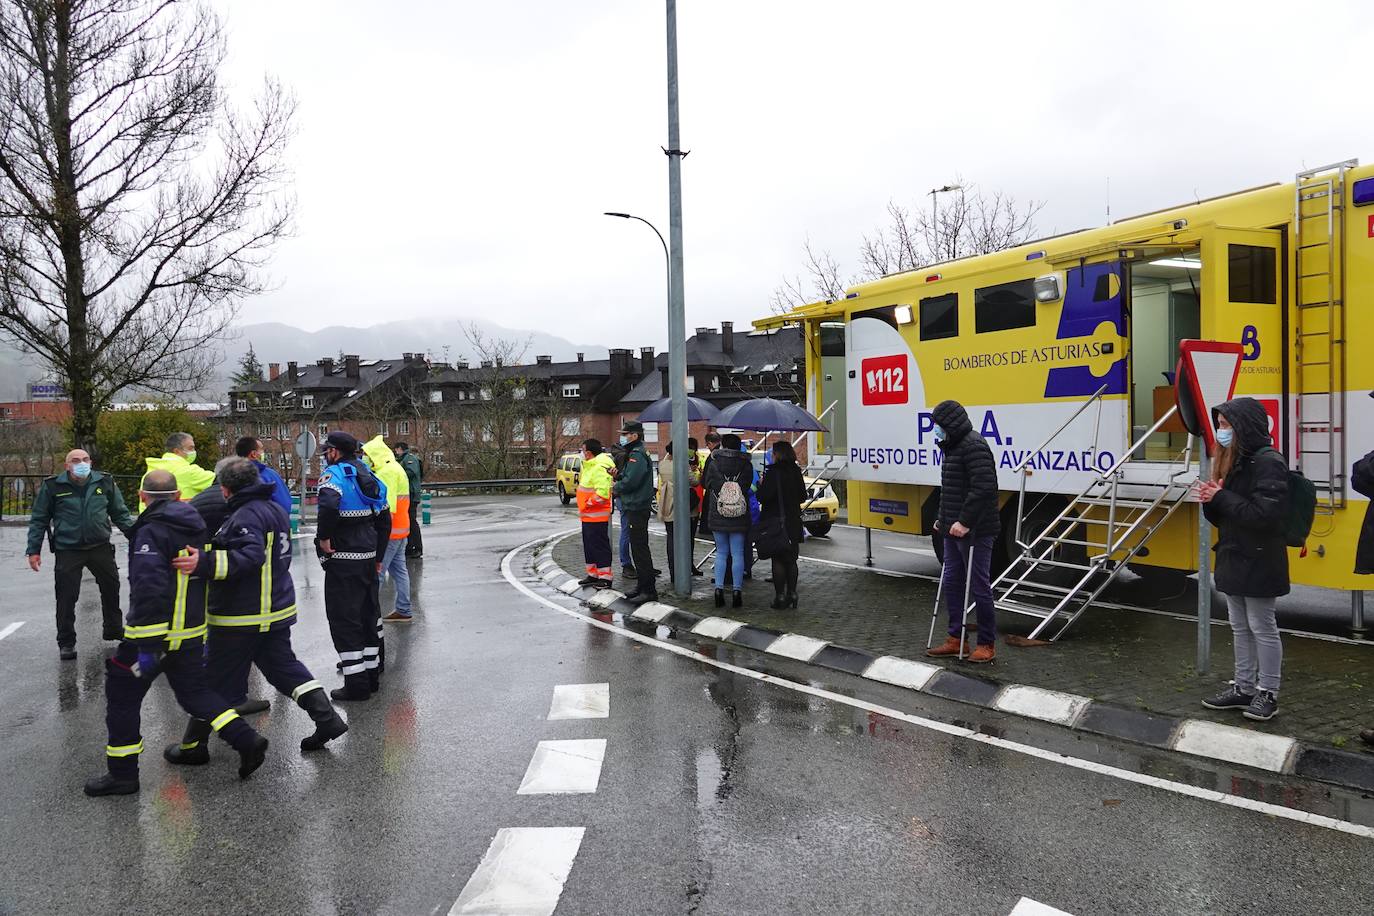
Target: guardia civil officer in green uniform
{"points": [[75, 510]]}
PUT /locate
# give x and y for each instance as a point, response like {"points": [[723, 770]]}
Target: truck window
{"points": [[940, 317], [1250, 274], [1004, 307]]}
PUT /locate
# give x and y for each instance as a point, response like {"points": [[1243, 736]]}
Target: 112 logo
{"points": [[884, 380]]}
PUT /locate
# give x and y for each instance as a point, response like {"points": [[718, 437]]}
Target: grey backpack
{"points": [[730, 502]]}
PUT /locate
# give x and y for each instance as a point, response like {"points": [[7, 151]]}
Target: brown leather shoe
{"points": [[982, 655], [949, 647]]}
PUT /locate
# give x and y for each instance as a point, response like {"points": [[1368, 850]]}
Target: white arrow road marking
{"points": [[581, 701], [522, 873], [10, 629], [564, 767], [1029, 907]]}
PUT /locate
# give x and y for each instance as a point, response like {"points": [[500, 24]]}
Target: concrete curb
{"points": [[1195, 737]]}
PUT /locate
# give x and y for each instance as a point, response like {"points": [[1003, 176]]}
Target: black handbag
{"points": [[771, 537]]}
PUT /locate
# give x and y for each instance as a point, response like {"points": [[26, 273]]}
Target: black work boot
{"points": [[252, 707], [110, 784], [252, 756], [356, 687], [194, 749], [328, 724]]}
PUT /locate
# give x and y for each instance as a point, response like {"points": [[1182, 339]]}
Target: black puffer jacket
{"points": [[968, 475], [1250, 510], [1362, 479]]}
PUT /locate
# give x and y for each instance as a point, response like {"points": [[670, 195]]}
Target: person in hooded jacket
{"points": [[383, 462], [252, 607], [781, 494], [351, 537], [1247, 502], [969, 523], [730, 528], [164, 634]]}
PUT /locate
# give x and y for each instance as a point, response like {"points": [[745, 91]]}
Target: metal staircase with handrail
{"points": [[1124, 513]]}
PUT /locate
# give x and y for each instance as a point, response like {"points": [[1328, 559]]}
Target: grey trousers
{"points": [[1258, 650]]}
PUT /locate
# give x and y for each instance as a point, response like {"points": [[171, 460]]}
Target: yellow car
{"points": [[821, 508], [565, 476]]}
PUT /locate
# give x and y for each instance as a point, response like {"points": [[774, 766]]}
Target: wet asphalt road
{"points": [[718, 794]]}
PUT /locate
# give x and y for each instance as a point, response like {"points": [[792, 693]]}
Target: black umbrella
{"points": [[769, 415], [661, 411]]}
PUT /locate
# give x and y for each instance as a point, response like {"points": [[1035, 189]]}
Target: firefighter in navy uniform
{"points": [[354, 527], [164, 633], [252, 609]]}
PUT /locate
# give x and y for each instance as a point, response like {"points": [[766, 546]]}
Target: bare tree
{"points": [[822, 281], [963, 225], [500, 415], [136, 204]]}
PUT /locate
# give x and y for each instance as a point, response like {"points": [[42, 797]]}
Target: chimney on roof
{"points": [[663, 381], [406, 357], [462, 364], [486, 364], [292, 373], [702, 332], [543, 360], [646, 361], [327, 364], [351, 365], [622, 361], [273, 371], [727, 337], [580, 357]]}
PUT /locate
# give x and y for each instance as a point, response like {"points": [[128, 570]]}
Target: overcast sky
{"points": [[455, 158]]}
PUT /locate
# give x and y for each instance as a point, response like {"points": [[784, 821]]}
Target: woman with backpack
{"points": [[1247, 502], [729, 475], [781, 494]]}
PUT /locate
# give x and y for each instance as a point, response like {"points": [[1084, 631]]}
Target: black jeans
{"points": [[100, 560], [638, 522], [416, 545]]}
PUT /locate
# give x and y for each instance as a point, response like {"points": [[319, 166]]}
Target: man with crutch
{"points": [[970, 525]]}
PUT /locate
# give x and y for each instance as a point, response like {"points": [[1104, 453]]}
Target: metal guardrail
{"points": [[511, 483], [17, 491]]}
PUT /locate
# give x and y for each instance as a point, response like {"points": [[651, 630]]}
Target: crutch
{"points": [[935, 615], [968, 590]]}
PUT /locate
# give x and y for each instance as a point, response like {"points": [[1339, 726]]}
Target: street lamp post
{"points": [[935, 217]]}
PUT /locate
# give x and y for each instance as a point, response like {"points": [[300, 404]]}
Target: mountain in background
{"points": [[443, 339]]}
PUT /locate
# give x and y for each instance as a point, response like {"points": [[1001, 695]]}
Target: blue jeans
{"points": [[980, 590], [625, 558], [730, 549], [394, 564]]}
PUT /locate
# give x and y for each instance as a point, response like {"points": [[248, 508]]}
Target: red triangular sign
{"points": [[1210, 370]]}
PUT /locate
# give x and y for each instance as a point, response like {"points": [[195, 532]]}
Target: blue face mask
{"points": [[939, 434], [81, 470], [624, 440], [1225, 437]]}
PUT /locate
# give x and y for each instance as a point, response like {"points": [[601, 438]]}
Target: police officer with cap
{"points": [[353, 531], [634, 487]]}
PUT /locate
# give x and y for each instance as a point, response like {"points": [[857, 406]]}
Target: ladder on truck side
{"points": [[1319, 262], [1108, 524]]}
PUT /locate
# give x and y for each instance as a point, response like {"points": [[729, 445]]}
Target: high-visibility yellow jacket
{"points": [[390, 472], [594, 489], [191, 479]]}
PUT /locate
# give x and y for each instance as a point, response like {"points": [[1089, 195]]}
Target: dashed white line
{"points": [[522, 873], [581, 701], [564, 767], [11, 628], [1091, 766]]}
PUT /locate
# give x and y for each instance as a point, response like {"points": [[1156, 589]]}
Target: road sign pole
{"points": [[1204, 569]]}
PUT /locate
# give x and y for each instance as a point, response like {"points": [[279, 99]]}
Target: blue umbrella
{"points": [[769, 415], [661, 411]]}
